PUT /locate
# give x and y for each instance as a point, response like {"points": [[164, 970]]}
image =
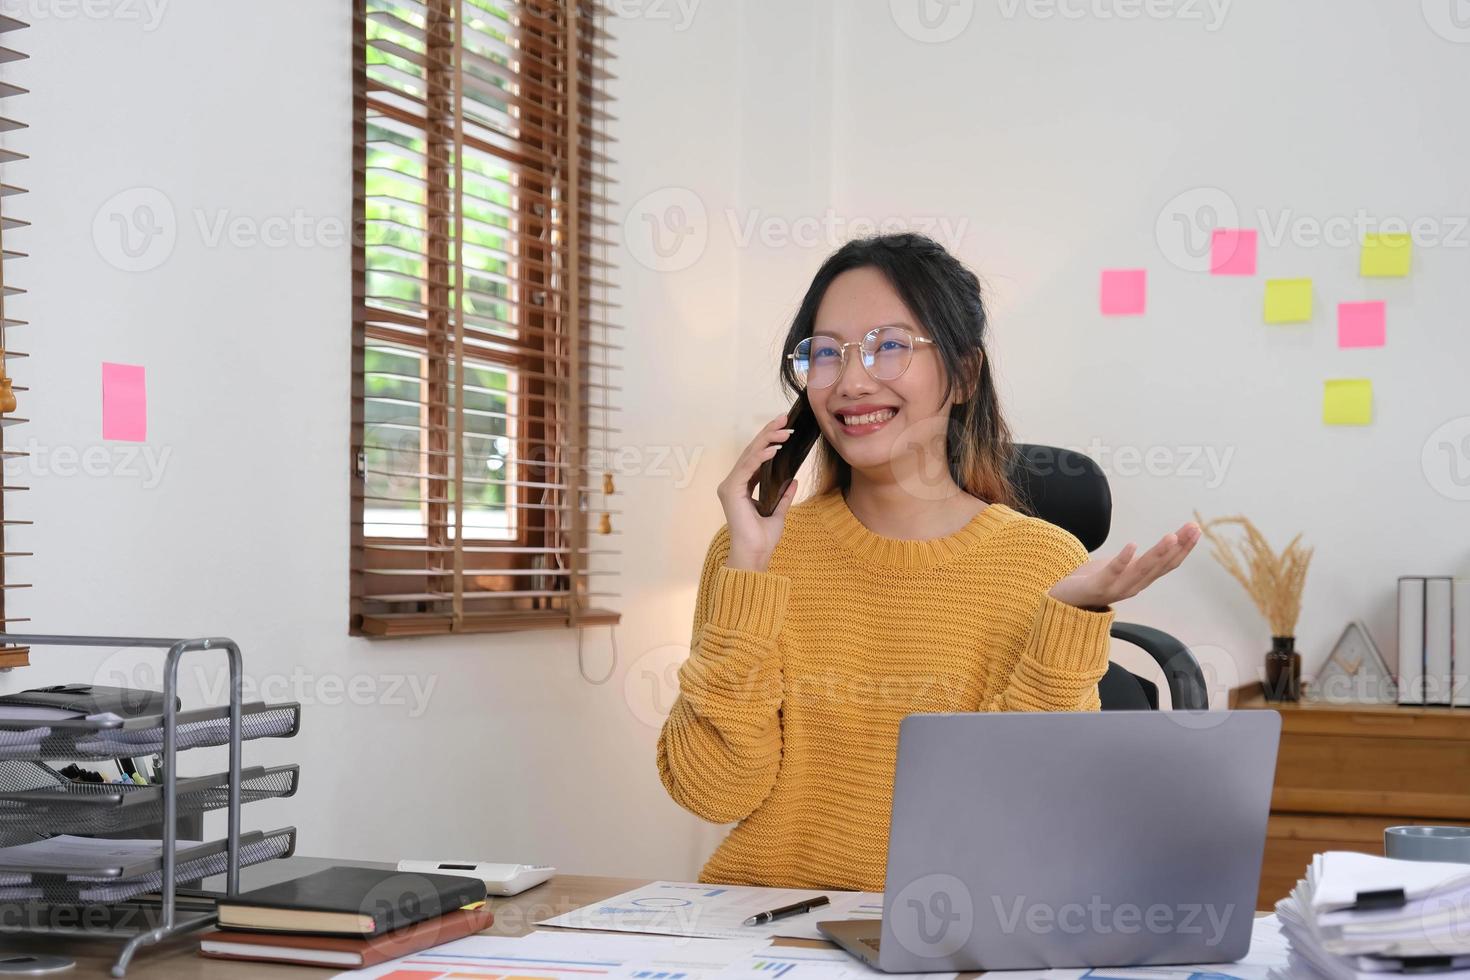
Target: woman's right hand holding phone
{"points": [[753, 538]]}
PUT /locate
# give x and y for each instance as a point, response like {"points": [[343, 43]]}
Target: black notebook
{"points": [[349, 902]]}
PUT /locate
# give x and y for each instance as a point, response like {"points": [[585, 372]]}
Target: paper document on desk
{"points": [[573, 955], [680, 908], [742, 959], [1268, 952], [811, 963], [564, 956]]}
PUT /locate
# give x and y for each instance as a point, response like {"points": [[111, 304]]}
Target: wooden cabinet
{"points": [[1345, 772]]}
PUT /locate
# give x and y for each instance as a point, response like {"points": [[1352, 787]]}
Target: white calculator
{"points": [[499, 879]]}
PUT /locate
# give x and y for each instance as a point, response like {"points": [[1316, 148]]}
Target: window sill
{"points": [[390, 626]]}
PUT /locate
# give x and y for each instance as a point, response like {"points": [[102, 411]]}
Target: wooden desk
{"points": [[1345, 772], [179, 958]]}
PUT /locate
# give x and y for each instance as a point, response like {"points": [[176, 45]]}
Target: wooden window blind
{"points": [[10, 656], [483, 374]]}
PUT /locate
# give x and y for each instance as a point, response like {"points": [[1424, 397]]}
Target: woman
{"points": [[895, 589]]}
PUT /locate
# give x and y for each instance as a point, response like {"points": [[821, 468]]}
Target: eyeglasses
{"points": [[887, 352]]}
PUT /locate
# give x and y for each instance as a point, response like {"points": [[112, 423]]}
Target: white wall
{"points": [[245, 116], [1045, 140], [1067, 142], [1048, 147]]}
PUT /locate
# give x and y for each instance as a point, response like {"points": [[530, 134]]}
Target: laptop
{"points": [[1023, 841]]}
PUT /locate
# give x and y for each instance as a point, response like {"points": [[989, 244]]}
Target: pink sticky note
{"points": [[1124, 291], [124, 403], [1361, 324], [1233, 252]]}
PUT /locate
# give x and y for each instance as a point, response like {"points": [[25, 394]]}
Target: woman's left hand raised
{"points": [[1097, 584]]}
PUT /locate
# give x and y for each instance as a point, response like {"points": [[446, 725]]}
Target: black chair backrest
{"points": [[1064, 488], [1122, 690], [1068, 489]]}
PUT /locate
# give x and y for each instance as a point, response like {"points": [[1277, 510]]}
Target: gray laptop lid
{"points": [[1027, 841]]}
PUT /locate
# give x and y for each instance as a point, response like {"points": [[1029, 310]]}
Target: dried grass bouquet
{"points": [[1274, 582]]}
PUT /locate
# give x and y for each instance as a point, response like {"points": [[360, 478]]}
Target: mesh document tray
{"points": [[113, 737], [118, 884], [33, 795]]}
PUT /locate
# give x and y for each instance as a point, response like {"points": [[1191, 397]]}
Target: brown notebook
{"points": [[278, 947]]}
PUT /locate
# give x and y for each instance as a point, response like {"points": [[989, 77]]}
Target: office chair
{"points": [[1069, 490]]}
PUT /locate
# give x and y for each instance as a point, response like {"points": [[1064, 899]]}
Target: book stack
{"points": [[349, 917], [1359, 916]]}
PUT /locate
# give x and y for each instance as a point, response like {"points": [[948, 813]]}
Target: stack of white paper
{"points": [[1357, 916]]}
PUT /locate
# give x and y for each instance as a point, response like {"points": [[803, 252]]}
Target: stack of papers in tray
{"points": [[83, 855], [1357, 916], [85, 868], [16, 741], [192, 734], [22, 743]]}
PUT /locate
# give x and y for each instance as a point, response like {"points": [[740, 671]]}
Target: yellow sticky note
{"points": [[1288, 300], [1386, 255], [1347, 401]]}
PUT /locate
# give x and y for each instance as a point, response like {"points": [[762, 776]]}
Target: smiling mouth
{"points": [[867, 422]]}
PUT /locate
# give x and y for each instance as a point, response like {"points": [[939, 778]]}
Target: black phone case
{"points": [[776, 473]]}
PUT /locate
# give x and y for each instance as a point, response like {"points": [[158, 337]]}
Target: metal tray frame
{"points": [[174, 919]]}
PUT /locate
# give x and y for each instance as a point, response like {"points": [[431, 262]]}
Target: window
{"points": [[482, 370]]}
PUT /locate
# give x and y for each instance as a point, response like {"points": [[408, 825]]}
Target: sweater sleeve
{"points": [[720, 747], [1066, 651]]}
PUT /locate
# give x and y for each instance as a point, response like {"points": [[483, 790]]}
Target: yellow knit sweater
{"points": [[797, 678]]}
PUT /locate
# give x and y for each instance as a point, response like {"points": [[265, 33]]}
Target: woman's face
{"points": [[857, 301]]}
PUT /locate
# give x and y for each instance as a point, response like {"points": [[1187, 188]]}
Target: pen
{"points": [[797, 908]]}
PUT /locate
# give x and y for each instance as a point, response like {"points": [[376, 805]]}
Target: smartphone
{"points": [[776, 473]]}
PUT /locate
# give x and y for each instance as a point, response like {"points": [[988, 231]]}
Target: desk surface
{"points": [[179, 959]]}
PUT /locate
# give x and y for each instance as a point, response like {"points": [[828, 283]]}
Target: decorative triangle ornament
{"points": [[1354, 672]]}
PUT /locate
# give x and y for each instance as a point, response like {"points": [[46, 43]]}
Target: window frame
{"points": [[542, 267]]}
